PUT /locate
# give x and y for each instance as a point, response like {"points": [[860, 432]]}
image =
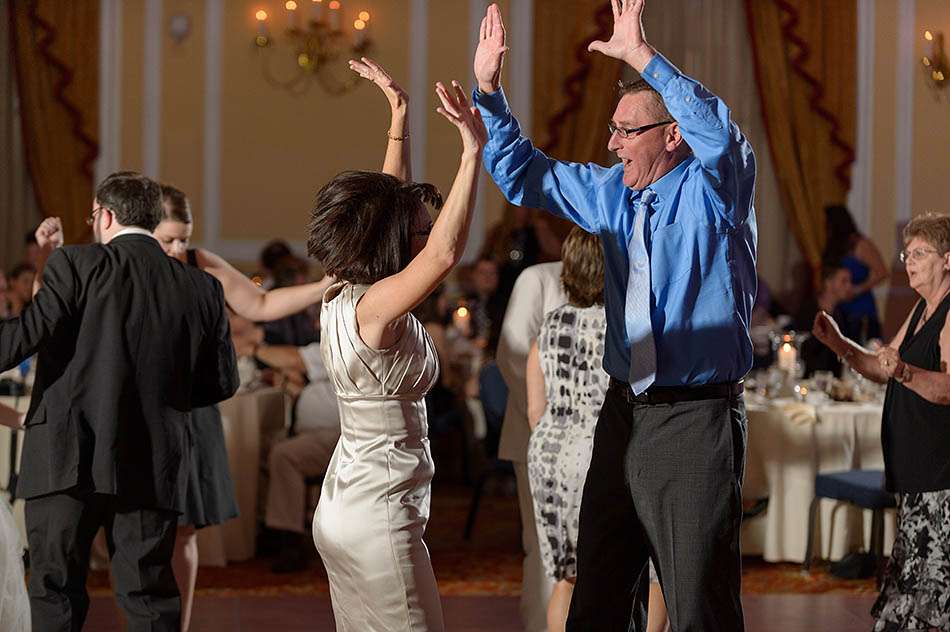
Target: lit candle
{"points": [[291, 7], [360, 36], [316, 10], [461, 320], [787, 356], [362, 28], [261, 23], [335, 15]]}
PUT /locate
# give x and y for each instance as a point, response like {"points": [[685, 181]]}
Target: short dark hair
{"points": [[20, 269], [583, 268], [830, 268], [134, 199], [273, 252], [639, 85], [175, 205], [361, 224]]}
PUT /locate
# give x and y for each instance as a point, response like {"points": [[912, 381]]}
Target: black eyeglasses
{"points": [[629, 132]]}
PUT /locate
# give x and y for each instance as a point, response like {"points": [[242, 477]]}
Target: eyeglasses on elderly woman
{"points": [[917, 254]]}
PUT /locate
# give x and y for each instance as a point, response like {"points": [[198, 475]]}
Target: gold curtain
{"points": [[804, 53], [56, 55], [574, 91]]}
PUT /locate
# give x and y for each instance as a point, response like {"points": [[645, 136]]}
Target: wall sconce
{"points": [[936, 65], [317, 45]]}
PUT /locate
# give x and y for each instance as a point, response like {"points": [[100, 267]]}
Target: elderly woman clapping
{"points": [[915, 432]]}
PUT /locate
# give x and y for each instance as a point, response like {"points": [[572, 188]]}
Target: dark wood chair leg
{"points": [[810, 544]]}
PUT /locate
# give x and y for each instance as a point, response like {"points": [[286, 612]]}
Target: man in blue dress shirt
{"points": [[677, 222]]}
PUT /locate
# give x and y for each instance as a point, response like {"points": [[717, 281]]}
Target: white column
{"points": [[110, 88], [152, 90]]}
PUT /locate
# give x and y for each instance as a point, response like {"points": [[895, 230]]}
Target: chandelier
{"points": [[317, 43], [936, 66]]}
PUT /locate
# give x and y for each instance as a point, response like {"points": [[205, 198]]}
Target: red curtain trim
{"points": [[789, 26], [44, 45], [574, 83]]}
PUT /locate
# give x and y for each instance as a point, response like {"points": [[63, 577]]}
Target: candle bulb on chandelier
{"points": [[335, 15], [261, 23], [316, 10], [291, 7], [360, 37]]}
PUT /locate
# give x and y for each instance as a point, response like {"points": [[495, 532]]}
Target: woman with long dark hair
{"points": [[847, 247]]}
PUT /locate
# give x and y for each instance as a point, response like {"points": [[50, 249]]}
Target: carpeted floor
{"points": [[487, 565]]}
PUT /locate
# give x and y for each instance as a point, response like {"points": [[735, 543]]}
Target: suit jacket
{"points": [[537, 291], [128, 341]]}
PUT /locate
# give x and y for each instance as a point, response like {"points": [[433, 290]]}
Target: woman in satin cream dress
{"points": [[372, 231]]}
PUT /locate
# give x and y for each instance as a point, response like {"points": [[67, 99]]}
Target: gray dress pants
{"points": [[664, 483]]}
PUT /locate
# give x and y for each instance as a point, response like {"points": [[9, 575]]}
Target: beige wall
{"points": [[277, 150]]}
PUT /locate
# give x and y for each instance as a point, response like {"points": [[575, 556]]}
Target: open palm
{"points": [[491, 48], [628, 30], [369, 69], [457, 110]]}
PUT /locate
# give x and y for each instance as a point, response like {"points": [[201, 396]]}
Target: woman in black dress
{"points": [[210, 498], [915, 433]]}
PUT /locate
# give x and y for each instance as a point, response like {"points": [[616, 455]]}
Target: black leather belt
{"points": [[673, 394]]}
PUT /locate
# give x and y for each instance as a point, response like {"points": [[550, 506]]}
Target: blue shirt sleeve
{"points": [[707, 127], [527, 177]]}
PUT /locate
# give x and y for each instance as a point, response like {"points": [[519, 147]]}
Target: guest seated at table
{"points": [[271, 255], [835, 289], [307, 448], [485, 303], [915, 433], [20, 287], [298, 329], [445, 401]]}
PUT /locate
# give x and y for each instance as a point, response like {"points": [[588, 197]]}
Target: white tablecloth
{"points": [[248, 418], [20, 404], [782, 460]]}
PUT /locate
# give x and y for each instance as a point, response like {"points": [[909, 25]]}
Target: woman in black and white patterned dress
{"points": [[566, 386]]}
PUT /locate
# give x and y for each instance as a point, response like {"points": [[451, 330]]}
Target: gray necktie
{"points": [[637, 318]]}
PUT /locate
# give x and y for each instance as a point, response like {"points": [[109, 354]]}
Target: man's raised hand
{"points": [[49, 234], [491, 50], [627, 43]]}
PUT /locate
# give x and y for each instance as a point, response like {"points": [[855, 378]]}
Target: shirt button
{"points": [[656, 75], [689, 99]]}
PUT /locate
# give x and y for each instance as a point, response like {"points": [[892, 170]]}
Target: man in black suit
{"points": [[128, 341]]}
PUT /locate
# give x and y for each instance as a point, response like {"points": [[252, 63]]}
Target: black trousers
{"points": [[664, 483], [60, 529]]}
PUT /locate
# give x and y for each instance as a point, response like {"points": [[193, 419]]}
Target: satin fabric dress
{"points": [[374, 505]]}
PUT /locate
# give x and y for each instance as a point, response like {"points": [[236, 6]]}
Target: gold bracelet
{"points": [[398, 139]]}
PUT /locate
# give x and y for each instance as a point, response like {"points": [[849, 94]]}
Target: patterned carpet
{"points": [[489, 564]]}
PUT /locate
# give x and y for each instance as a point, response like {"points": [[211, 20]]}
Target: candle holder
{"points": [[317, 44], [786, 348]]}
